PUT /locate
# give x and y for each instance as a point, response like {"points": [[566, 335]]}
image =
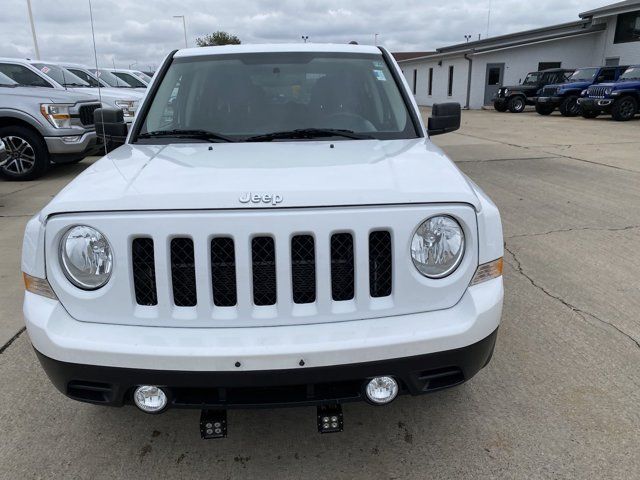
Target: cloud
{"points": [[144, 31]]}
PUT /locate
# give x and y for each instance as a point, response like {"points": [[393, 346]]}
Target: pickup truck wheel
{"points": [[544, 109], [590, 114], [500, 106], [29, 157], [517, 104], [570, 107], [624, 109]]}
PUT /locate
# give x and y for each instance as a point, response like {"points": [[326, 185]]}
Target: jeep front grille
{"points": [[549, 91], [596, 91], [85, 112], [225, 272]]}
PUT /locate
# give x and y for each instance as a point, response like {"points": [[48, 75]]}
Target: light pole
{"points": [[184, 27], [467, 38], [305, 38], [375, 38], [132, 65], [33, 30]]}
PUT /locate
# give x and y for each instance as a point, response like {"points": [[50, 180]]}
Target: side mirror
{"points": [[110, 125], [4, 153], [445, 118], [519, 81]]}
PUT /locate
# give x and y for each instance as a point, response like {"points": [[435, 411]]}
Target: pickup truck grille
{"points": [[596, 91], [85, 112], [262, 269], [549, 91]]}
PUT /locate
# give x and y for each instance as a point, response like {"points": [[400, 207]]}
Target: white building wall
{"points": [[572, 52], [440, 80], [628, 53]]}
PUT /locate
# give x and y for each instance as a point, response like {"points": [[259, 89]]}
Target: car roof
{"points": [[276, 48]]}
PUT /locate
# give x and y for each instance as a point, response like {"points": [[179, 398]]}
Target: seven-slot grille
{"points": [[85, 112], [549, 91], [263, 264], [596, 91]]}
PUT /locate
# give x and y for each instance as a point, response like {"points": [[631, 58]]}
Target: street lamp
{"points": [[305, 38], [467, 38], [184, 27], [375, 38], [33, 30]]}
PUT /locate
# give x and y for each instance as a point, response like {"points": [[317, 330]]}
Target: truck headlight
{"points": [[86, 257], [607, 91], [437, 246], [57, 114], [128, 107]]}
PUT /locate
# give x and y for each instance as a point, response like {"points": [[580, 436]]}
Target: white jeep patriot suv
{"points": [[276, 229]]}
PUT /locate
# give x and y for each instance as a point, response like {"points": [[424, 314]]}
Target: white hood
{"points": [[110, 95], [304, 174]]}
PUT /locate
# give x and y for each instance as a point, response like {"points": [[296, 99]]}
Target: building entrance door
{"points": [[493, 81]]}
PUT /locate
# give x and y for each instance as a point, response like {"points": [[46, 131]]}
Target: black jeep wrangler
{"points": [[517, 97]]}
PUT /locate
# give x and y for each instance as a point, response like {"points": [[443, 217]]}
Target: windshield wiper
{"points": [[74, 85], [309, 133], [195, 134]]}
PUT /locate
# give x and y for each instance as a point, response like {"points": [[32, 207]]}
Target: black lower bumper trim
{"points": [[269, 388]]}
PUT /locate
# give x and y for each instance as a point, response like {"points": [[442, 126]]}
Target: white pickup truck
{"points": [[276, 229]]}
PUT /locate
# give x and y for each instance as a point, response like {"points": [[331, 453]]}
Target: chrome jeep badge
{"points": [[264, 198]]}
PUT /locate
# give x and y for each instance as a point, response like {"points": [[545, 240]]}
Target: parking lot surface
{"points": [[560, 398]]}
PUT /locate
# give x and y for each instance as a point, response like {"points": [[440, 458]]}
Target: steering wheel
{"points": [[351, 121]]}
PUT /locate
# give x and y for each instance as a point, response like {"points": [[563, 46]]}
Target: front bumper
{"points": [[329, 356], [596, 104], [84, 143], [271, 388], [555, 101]]}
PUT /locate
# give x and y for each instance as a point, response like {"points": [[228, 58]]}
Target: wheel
{"points": [[570, 107], [624, 109], [544, 109], [590, 113], [500, 106], [517, 104], [29, 157]]}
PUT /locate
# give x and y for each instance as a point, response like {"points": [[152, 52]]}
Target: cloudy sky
{"points": [[143, 31]]}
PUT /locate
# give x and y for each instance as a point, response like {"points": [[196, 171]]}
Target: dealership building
{"points": [[470, 73]]}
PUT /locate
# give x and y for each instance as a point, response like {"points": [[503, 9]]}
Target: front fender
{"points": [[25, 117]]}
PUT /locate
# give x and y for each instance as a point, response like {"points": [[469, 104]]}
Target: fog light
{"points": [[381, 390], [71, 139], [150, 399]]}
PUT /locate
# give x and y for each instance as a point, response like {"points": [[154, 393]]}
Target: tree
{"points": [[217, 38]]}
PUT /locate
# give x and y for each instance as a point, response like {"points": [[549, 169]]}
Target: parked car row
{"points": [[589, 92], [46, 111]]}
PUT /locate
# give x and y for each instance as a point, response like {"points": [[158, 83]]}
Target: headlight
{"points": [[506, 91], [128, 107], [57, 114], [86, 258], [607, 91], [437, 247], [584, 93]]}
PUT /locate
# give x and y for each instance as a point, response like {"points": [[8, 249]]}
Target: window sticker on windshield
{"points": [[44, 69], [378, 64], [379, 74]]}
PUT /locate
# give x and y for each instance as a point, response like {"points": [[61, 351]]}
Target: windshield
{"points": [[532, 79], [251, 95], [109, 78], [130, 79], [62, 76], [142, 76], [583, 75], [86, 76], [6, 81], [631, 73]]}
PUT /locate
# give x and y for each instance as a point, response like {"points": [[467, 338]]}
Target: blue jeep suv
{"points": [[621, 99], [565, 96]]}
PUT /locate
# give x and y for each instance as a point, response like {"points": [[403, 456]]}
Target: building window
{"points": [[612, 61], [450, 89], [415, 80], [547, 65], [628, 28], [430, 81]]}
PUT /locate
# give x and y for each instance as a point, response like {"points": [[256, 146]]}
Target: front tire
{"points": [[544, 109], [517, 104], [624, 109], [500, 107], [570, 107], [29, 157]]}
